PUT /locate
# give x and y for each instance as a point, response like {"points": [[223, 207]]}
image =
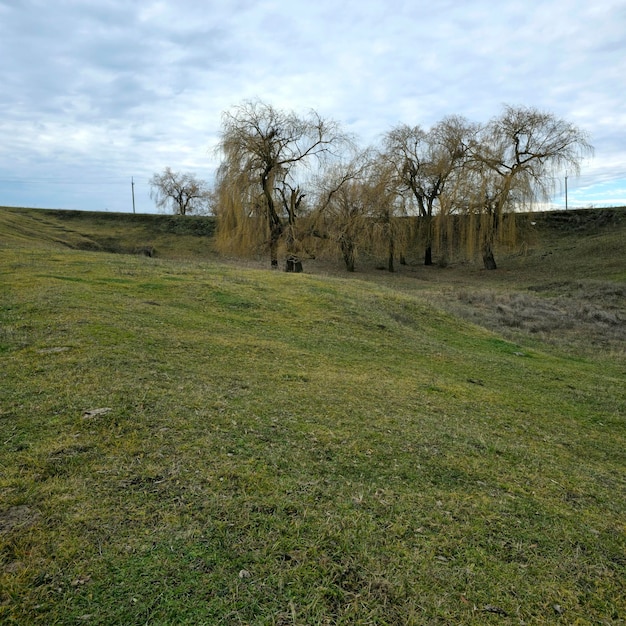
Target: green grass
{"points": [[298, 449], [168, 236]]}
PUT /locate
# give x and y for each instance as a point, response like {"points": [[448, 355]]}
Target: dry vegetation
{"points": [[589, 315]]}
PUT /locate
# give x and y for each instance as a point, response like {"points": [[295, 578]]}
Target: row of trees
{"points": [[298, 186]]}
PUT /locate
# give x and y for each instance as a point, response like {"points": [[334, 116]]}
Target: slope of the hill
{"points": [[189, 442], [168, 236], [565, 283]]}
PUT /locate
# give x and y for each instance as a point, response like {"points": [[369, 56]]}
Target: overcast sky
{"points": [[96, 92]]}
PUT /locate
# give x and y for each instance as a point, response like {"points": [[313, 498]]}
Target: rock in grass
{"points": [[91, 413]]}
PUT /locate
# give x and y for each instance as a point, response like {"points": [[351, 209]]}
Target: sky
{"points": [[98, 95]]}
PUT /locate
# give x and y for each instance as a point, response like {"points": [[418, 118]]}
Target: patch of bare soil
{"points": [[17, 517]]}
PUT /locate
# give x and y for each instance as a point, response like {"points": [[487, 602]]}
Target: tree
{"points": [[513, 161], [357, 209], [386, 212], [265, 152], [183, 193], [423, 162], [341, 212]]}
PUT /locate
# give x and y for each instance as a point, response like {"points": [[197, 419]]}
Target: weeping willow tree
{"points": [[241, 228], [357, 209], [488, 218], [423, 162], [389, 230], [450, 238], [343, 222], [264, 153], [513, 162], [340, 217]]}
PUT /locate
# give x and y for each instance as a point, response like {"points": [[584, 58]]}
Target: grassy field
{"points": [[189, 441]]}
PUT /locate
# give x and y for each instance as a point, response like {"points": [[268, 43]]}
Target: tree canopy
{"points": [[181, 193], [266, 153], [295, 184], [513, 161]]}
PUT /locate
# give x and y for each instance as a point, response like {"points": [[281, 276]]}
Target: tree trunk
{"points": [[347, 251], [488, 258], [392, 249], [489, 236], [274, 223], [276, 232], [428, 255]]}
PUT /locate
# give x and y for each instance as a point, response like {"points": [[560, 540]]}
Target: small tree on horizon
{"points": [[180, 192]]}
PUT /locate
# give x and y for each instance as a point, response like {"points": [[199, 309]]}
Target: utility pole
{"points": [[132, 187], [566, 191]]}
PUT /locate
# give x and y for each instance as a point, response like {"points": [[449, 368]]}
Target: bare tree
{"points": [[357, 209], [386, 213], [423, 162], [183, 193], [513, 162], [265, 151], [341, 216]]}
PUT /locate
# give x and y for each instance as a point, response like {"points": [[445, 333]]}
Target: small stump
{"points": [[293, 264]]}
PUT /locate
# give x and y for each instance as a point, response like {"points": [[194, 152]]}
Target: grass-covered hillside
{"points": [[188, 441], [170, 236]]}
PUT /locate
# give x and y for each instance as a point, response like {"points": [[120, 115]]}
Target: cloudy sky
{"points": [[95, 93]]}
